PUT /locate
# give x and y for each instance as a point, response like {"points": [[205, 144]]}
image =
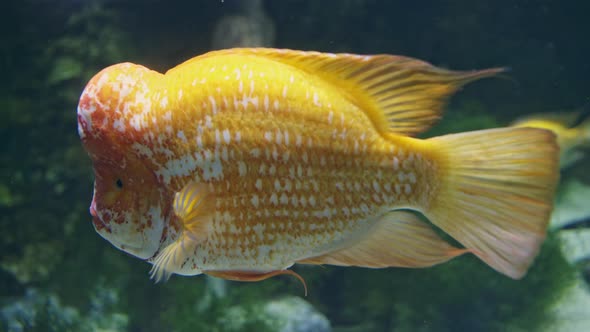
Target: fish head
{"points": [[129, 207]]}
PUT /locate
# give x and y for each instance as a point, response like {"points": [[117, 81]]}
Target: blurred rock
{"points": [[571, 205], [37, 311], [568, 218], [575, 244], [296, 315], [290, 314], [572, 311]]}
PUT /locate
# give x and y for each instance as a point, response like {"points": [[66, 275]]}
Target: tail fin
{"points": [[496, 193]]}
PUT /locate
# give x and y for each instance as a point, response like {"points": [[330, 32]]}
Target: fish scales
{"points": [[291, 172]]}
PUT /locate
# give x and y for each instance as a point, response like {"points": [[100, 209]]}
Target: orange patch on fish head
{"points": [[129, 208]]}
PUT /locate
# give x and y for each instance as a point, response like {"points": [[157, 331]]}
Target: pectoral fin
{"points": [[193, 207], [399, 239]]}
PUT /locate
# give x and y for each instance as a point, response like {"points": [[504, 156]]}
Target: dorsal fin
{"points": [[399, 94]]}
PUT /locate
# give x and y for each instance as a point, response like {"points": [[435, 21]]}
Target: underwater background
{"points": [[58, 274]]}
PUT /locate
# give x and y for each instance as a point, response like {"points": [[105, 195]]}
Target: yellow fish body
{"points": [[241, 162], [571, 128]]}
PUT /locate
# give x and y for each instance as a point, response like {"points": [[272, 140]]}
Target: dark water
{"points": [[57, 274]]}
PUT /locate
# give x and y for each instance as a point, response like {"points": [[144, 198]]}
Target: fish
{"points": [[241, 163], [571, 128]]}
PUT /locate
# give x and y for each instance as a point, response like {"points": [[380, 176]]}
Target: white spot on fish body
{"points": [[241, 86], [303, 201], [164, 102], [275, 104], [254, 102], [395, 163], [258, 184], [357, 186], [259, 230], [274, 199], [119, 125], [224, 155], [142, 150], [268, 136], [242, 169], [387, 187], [255, 202], [255, 152], [213, 104], [407, 189], [316, 99], [346, 211], [266, 102], [291, 79], [376, 186], [298, 140], [401, 176], [312, 200], [180, 134], [179, 94], [217, 137], [284, 91], [330, 117], [226, 136]]}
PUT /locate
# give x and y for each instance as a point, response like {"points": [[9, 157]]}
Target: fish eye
{"points": [[119, 183]]}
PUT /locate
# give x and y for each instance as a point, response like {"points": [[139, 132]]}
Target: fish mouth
{"points": [[99, 225]]}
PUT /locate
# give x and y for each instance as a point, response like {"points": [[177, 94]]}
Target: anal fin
{"points": [[400, 239], [253, 275]]}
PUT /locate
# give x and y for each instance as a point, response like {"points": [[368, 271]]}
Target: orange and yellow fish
{"points": [[572, 130], [242, 162]]}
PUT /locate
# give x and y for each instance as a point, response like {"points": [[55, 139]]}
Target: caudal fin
{"points": [[496, 193]]}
